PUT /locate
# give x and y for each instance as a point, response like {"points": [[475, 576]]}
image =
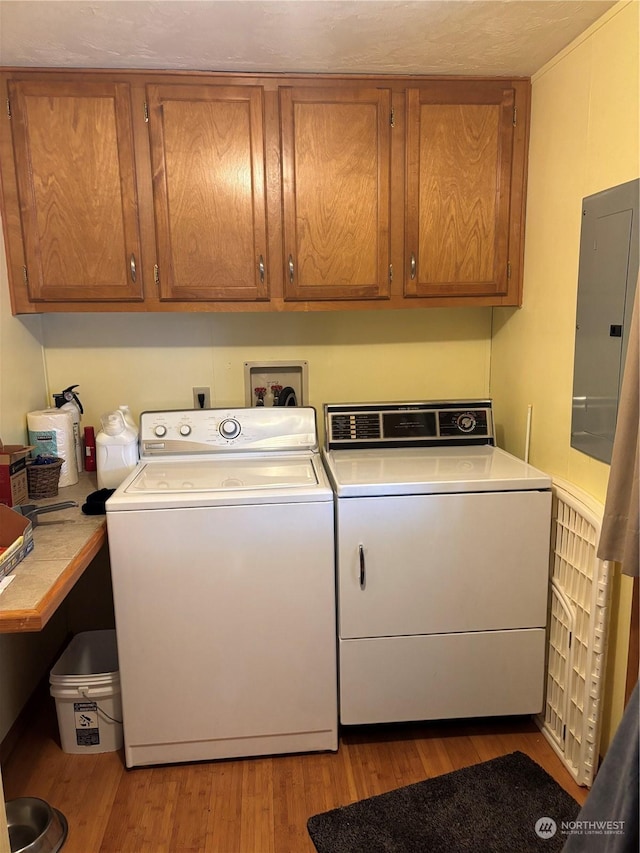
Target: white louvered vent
{"points": [[578, 628]]}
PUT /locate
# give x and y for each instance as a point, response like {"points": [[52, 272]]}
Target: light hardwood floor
{"points": [[256, 805]]}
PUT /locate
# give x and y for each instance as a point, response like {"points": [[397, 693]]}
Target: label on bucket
{"points": [[87, 731]]}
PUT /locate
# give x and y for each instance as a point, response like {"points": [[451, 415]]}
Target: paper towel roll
{"points": [[51, 432]]}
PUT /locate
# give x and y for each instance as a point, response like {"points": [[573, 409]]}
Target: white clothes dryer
{"points": [[442, 555]]}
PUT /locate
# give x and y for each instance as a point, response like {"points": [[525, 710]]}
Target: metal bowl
{"points": [[34, 826]]}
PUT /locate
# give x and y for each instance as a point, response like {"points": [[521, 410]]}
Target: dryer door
{"points": [[428, 564]]}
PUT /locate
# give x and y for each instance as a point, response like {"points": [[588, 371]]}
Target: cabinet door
{"points": [[459, 158], [74, 159], [336, 192], [207, 151]]}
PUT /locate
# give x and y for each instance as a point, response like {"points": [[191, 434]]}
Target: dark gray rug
{"points": [[491, 807]]}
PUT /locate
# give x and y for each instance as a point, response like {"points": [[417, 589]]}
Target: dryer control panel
{"points": [[422, 424]]}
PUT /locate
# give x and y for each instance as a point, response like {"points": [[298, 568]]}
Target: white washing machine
{"points": [[222, 559], [442, 559]]}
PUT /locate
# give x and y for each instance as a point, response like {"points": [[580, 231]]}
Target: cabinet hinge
{"points": [[156, 274], [25, 276], [391, 272], [515, 116], [146, 111], [392, 118], [508, 269], [8, 107]]}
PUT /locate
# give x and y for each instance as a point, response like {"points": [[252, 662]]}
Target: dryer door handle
{"points": [[363, 567]]}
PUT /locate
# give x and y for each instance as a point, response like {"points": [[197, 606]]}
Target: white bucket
{"points": [[85, 683]]}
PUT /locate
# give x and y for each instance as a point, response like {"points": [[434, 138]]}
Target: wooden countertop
{"points": [[65, 542]]}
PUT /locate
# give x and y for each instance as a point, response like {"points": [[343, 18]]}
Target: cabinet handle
{"points": [[291, 269], [363, 568], [132, 267], [413, 265], [261, 269]]}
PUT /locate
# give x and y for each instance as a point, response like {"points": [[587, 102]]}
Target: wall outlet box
{"points": [[201, 397], [267, 381]]}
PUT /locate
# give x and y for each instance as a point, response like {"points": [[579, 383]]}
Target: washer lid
{"points": [[208, 482], [431, 470]]}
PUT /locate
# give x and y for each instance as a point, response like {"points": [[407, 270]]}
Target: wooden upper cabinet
{"points": [[74, 163], [261, 192], [459, 218], [207, 154], [336, 192]]}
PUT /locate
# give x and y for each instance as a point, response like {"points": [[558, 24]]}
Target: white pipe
{"points": [[527, 440]]}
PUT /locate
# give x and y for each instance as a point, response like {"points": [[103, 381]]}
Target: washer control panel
{"points": [[201, 431], [426, 424]]}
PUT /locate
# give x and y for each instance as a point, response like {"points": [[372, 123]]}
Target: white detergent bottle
{"points": [[116, 450]]}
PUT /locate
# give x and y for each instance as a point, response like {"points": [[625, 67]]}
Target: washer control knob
{"points": [[229, 428], [466, 422], [160, 430], [185, 429]]}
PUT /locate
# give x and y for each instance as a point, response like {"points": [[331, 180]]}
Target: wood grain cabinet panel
{"points": [[207, 152], [336, 191], [460, 141], [74, 165]]}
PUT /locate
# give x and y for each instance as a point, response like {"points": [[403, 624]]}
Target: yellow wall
{"points": [[153, 361], [22, 383], [584, 139]]}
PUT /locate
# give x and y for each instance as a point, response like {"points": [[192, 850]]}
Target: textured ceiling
{"points": [[494, 37]]}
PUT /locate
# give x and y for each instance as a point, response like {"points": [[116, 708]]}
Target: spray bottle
{"points": [[68, 400]]}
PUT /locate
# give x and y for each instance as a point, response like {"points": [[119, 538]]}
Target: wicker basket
{"points": [[43, 479]]}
